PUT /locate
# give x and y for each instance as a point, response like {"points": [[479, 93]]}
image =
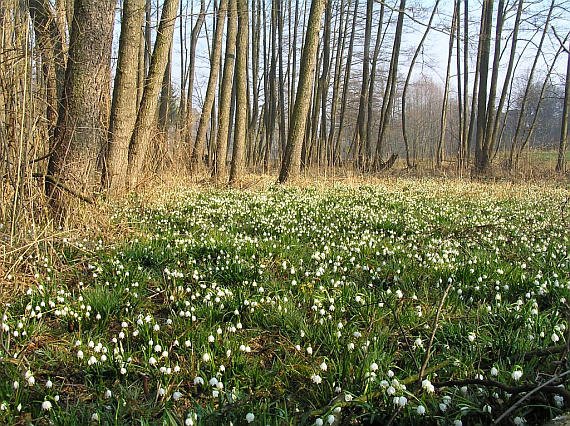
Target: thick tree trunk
{"points": [[141, 138], [240, 131], [82, 122], [124, 105], [481, 157], [291, 165]]}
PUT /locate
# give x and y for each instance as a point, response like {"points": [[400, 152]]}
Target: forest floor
{"points": [[408, 301]]}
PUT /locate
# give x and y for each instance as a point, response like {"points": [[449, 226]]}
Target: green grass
{"points": [[301, 305]]}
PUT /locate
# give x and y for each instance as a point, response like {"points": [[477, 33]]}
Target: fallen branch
{"points": [[528, 395], [513, 390], [55, 182]]}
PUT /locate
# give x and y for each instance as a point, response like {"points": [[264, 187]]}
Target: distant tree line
{"points": [[296, 84]]}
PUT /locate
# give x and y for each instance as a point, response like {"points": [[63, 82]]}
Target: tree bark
{"points": [[562, 147], [362, 143], [240, 132], [50, 41], [141, 137], [124, 105], [419, 48], [82, 122], [197, 159], [188, 136], [390, 91], [219, 169], [481, 159], [343, 102], [440, 151], [291, 165]]}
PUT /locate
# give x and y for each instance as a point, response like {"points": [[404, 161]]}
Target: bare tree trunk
{"points": [[345, 86], [324, 81], [240, 136], [362, 143], [440, 151], [419, 48], [512, 158], [493, 126], [481, 159], [465, 148], [291, 166], [390, 91], [377, 45], [197, 159], [161, 141], [341, 42], [140, 139], [82, 122], [220, 168], [124, 105], [487, 142], [255, 46], [535, 114], [282, 129], [188, 136], [561, 162], [50, 41], [271, 96]]}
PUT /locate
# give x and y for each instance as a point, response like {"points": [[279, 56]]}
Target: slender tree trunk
{"points": [[512, 159], [535, 113], [362, 143], [562, 147], [188, 131], [240, 136], [282, 129], [440, 151], [419, 48], [291, 166], [50, 42], [494, 125], [161, 141], [488, 142], [390, 91], [341, 42], [197, 159], [82, 121], [481, 157], [377, 45], [272, 95], [140, 140], [465, 148], [324, 81], [255, 46], [343, 102], [220, 169], [124, 105]]}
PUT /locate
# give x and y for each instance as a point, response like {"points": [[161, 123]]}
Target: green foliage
{"points": [[296, 305]]}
